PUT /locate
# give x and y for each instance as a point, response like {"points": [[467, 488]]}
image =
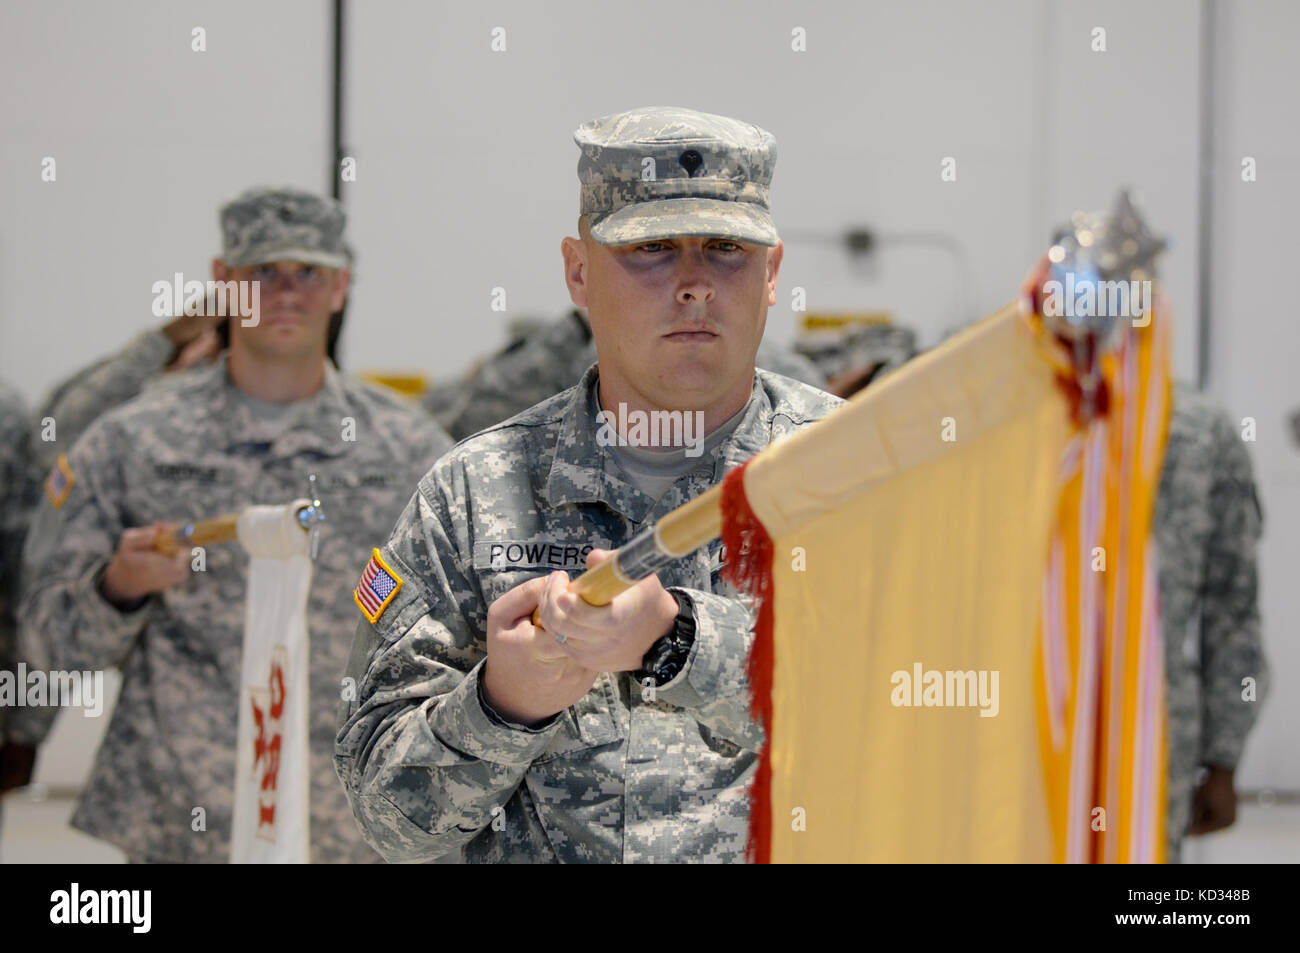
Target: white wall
{"points": [[149, 138], [466, 164], [1127, 117], [1255, 336]]}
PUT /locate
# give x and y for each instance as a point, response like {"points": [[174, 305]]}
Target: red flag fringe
{"points": [[749, 569]]}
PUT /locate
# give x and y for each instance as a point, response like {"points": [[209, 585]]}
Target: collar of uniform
{"points": [[753, 433], [585, 472], [313, 425]]}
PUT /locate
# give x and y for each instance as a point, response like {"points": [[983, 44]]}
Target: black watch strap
{"points": [[667, 657]]}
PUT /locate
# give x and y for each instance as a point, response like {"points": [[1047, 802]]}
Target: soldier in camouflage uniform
{"points": [[183, 342], [245, 430], [531, 368], [1207, 523], [76, 402], [619, 733], [856, 357], [546, 361], [19, 487]]}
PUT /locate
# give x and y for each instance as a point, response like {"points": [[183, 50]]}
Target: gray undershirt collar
{"points": [[653, 471]]}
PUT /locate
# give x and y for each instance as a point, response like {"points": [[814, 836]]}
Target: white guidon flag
{"points": [[272, 820]]}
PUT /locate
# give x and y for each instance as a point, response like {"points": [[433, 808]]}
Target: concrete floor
{"points": [[36, 831]]}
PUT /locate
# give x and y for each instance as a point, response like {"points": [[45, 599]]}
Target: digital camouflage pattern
{"points": [[527, 371], [193, 446], [546, 361], [19, 490], [668, 172], [264, 225], [1207, 524], [616, 777], [75, 403], [888, 345]]}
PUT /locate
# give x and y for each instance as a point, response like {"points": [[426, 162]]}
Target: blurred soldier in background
{"points": [[19, 487], [1207, 524], [858, 356], [214, 439], [183, 342], [73, 405]]}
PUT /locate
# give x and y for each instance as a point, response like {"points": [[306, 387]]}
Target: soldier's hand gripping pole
{"points": [[678, 534]]}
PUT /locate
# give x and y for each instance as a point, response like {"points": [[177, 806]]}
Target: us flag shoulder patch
{"points": [[60, 482], [376, 588]]}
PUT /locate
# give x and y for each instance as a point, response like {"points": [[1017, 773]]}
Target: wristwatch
{"points": [[666, 658]]}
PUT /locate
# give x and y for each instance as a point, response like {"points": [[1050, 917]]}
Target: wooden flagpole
{"points": [[679, 533]]}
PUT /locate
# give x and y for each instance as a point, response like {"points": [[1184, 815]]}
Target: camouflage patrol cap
{"points": [[264, 225], [669, 172]]}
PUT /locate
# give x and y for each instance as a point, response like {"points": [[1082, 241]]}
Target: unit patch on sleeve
{"points": [[60, 481]]}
